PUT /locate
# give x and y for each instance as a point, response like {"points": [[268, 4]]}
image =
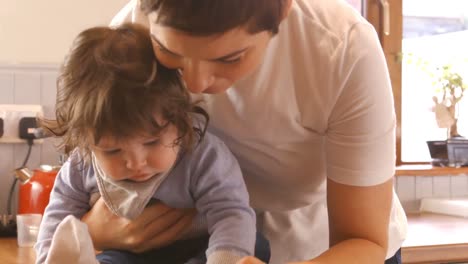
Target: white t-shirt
{"points": [[320, 105]]}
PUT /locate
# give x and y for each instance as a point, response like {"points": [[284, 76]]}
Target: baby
{"points": [[134, 136]]}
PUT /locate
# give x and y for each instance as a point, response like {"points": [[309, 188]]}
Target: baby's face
{"points": [[139, 158]]}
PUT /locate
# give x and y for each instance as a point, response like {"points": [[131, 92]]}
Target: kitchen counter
{"points": [[434, 238], [10, 253], [431, 238]]}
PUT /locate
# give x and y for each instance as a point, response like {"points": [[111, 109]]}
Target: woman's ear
{"points": [[286, 9]]}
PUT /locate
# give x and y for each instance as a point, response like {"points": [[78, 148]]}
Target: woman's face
{"points": [[209, 64]]}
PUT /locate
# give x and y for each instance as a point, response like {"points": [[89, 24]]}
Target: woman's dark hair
{"points": [[112, 84], [208, 17]]}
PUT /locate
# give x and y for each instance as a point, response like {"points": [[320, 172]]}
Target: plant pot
{"points": [[438, 152], [457, 152], [449, 153]]}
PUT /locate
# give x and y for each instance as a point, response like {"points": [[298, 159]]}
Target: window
{"points": [[428, 34]]}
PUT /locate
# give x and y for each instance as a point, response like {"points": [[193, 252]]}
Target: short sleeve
{"points": [[129, 13], [360, 142]]}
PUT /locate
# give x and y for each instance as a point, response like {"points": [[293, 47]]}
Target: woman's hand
{"points": [[158, 226], [254, 260], [250, 260]]}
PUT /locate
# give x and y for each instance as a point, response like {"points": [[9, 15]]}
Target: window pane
{"points": [[435, 32]]}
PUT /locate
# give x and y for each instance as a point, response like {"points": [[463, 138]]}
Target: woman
{"points": [[299, 90]]}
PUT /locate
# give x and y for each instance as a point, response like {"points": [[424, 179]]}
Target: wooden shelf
{"points": [[428, 170]]}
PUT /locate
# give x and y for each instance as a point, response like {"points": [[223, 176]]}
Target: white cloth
{"points": [[71, 244], [126, 198], [319, 106]]}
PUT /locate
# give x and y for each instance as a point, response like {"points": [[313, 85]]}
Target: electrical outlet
{"points": [[27, 128], [14, 115]]}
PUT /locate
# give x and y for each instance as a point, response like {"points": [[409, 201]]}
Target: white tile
{"points": [[406, 187], [49, 151], [441, 185], [20, 152], [406, 191], [50, 154], [459, 185], [6, 150], [424, 187], [6, 175], [27, 87], [6, 160], [6, 88], [48, 92]]}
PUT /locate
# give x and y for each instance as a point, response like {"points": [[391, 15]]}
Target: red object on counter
{"points": [[34, 193]]}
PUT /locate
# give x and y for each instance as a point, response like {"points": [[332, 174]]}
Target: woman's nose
{"points": [[198, 76]]}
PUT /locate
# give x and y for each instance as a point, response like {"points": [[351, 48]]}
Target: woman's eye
{"points": [[231, 61], [167, 58], [165, 51]]}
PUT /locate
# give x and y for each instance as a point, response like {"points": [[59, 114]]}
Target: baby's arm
{"points": [[68, 197], [221, 196]]}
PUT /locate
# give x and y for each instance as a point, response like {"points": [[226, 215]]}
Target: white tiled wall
{"points": [[411, 189], [25, 84]]}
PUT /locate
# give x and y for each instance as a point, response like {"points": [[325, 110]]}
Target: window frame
{"points": [[392, 47]]}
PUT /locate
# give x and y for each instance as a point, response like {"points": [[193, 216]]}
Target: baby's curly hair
{"points": [[112, 84]]}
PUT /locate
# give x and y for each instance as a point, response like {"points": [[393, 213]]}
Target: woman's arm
{"points": [[358, 223], [360, 152], [158, 226]]}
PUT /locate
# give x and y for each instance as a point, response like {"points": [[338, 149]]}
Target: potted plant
{"points": [[450, 88]]}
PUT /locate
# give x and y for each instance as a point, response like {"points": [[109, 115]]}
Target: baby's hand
{"points": [[250, 260]]}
